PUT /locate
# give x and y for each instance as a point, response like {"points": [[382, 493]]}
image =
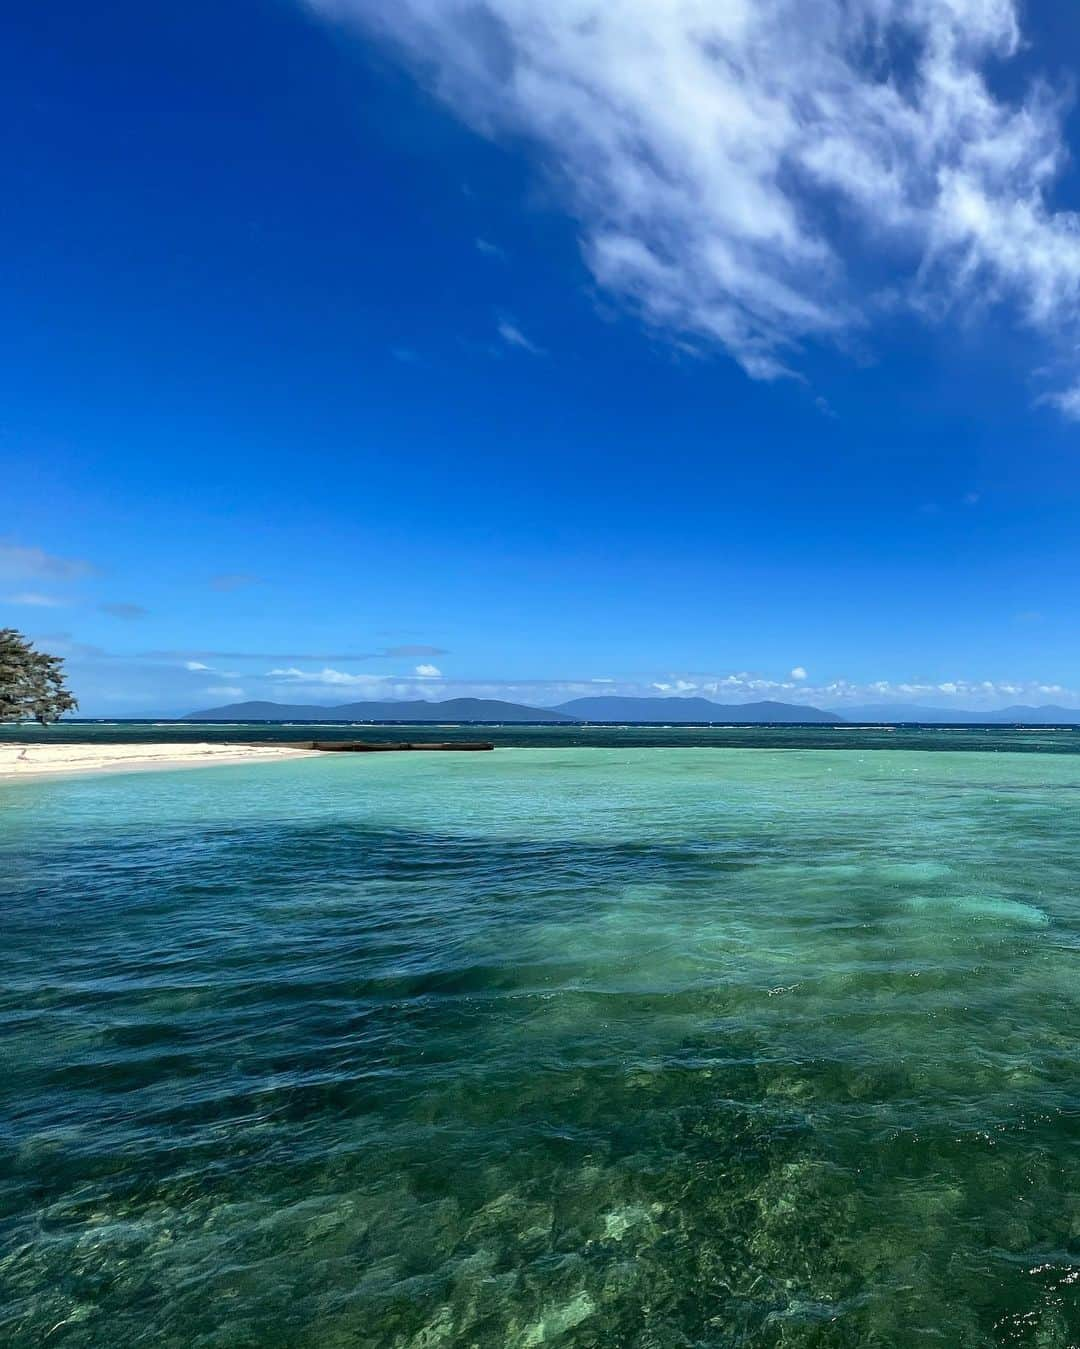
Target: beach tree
{"points": [[32, 683]]}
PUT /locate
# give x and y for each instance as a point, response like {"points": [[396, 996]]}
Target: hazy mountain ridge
{"points": [[1048, 715], [416, 710], [617, 708]]}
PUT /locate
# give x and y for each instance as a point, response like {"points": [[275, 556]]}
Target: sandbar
{"points": [[39, 761]]}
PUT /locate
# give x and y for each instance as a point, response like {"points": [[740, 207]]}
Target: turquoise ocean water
{"points": [[601, 1045]]}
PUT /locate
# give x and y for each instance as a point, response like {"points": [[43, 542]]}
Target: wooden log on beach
{"points": [[374, 747]]}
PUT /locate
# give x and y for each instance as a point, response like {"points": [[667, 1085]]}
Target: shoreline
{"points": [[32, 763]]}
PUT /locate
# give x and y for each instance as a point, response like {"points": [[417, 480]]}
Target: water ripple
{"points": [[589, 1047]]}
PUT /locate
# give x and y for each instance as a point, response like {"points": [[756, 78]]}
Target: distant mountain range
{"points": [[689, 710], [494, 710], [1048, 715], [453, 709], [618, 709]]}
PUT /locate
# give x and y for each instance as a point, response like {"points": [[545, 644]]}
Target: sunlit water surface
{"points": [[587, 1047]]}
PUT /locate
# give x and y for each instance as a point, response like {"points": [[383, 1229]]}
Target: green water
{"points": [[587, 1047]]}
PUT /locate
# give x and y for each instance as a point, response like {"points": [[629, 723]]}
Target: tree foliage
{"points": [[31, 682]]}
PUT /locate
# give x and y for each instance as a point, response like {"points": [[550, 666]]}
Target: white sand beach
{"points": [[37, 761]]}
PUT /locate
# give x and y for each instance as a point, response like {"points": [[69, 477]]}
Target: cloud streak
{"points": [[757, 174], [385, 653], [20, 563], [737, 687], [327, 683], [512, 335], [36, 600], [413, 651], [232, 580], [326, 678]]}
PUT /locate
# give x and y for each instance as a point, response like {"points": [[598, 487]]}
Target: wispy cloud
{"points": [[512, 335], [1067, 401], [413, 652], [64, 644], [385, 653], [201, 668], [736, 687], [233, 580], [19, 562], [116, 609], [327, 683], [489, 249], [959, 692], [326, 678], [36, 600], [756, 175]]}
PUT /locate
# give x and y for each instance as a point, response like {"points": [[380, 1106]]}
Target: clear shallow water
{"points": [[588, 1047]]}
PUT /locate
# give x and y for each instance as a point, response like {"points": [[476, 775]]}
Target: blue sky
{"points": [[353, 351]]}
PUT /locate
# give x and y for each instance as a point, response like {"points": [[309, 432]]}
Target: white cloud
{"points": [[35, 562], [367, 686], [232, 580], [226, 691], [756, 173], [36, 600], [429, 672], [327, 678], [735, 687], [512, 335], [744, 686], [798, 673], [195, 665], [1067, 401]]}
